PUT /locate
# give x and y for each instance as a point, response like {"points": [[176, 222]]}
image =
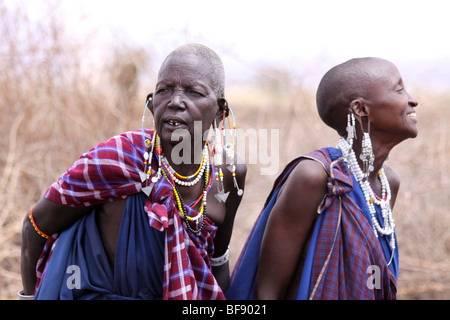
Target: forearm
{"points": [[276, 270], [290, 222], [32, 245], [222, 275]]}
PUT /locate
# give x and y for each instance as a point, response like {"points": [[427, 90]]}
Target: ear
{"points": [[361, 110], [149, 102], [223, 106]]}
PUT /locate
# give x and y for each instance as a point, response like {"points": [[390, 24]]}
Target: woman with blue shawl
{"points": [[326, 230]]}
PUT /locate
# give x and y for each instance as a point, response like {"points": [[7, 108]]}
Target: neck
{"points": [[381, 151]]}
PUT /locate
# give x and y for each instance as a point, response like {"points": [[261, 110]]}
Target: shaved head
{"points": [[341, 85], [212, 58]]}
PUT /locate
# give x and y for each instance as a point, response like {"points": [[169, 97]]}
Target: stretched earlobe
{"points": [[149, 102], [360, 110], [223, 106]]}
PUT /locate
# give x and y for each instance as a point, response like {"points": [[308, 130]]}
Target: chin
{"points": [[414, 133]]}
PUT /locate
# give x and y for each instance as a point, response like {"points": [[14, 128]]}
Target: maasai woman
{"points": [[149, 213], [327, 230]]}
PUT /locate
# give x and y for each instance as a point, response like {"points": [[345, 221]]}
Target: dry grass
{"points": [[57, 101]]}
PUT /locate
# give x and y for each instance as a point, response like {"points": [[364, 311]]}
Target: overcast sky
{"points": [[307, 36]]}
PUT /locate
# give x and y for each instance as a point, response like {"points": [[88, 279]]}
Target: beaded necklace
{"points": [[169, 174], [369, 195], [182, 180]]}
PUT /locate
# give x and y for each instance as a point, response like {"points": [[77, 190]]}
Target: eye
{"points": [[399, 89], [162, 90], [194, 92]]}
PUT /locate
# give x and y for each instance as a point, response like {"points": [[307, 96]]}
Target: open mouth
{"points": [[174, 123], [411, 115]]}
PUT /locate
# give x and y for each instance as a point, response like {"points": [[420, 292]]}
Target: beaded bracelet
{"points": [[23, 296], [216, 262], [42, 234]]}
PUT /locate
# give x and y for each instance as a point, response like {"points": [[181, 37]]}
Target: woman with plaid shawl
{"points": [[129, 220], [326, 230]]}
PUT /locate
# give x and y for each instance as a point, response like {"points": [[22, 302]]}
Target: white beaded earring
{"points": [[218, 162], [148, 154], [367, 156], [219, 146], [230, 149], [351, 129]]}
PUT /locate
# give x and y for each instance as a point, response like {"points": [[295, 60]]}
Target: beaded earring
{"points": [[230, 150], [351, 129], [148, 154], [367, 156], [220, 145], [217, 147]]}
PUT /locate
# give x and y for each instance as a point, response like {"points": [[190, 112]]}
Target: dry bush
{"points": [[421, 212], [58, 99], [422, 219], [56, 103]]}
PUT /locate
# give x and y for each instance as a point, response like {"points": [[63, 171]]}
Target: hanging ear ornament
{"points": [[148, 154], [218, 162], [351, 129], [367, 156], [230, 152], [220, 145]]}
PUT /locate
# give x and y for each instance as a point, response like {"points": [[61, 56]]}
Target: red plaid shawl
{"points": [[110, 171]]}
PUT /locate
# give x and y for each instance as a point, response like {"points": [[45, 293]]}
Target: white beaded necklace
{"points": [[196, 177], [369, 194]]}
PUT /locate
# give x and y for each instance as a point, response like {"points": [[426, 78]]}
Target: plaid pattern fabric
{"points": [[346, 246], [44, 258], [110, 171]]}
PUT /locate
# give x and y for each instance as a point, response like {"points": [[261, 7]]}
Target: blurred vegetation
{"points": [[60, 94]]}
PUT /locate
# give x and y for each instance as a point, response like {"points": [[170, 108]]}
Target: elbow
{"points": [[26, 225], [261, 294], [266, 291]]}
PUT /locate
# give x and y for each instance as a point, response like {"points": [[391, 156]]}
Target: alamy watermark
{"points": [[374, 280], [74, 279], [252, 146]]}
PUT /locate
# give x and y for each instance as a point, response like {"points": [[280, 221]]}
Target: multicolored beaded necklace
{"points": [[174, 178]]}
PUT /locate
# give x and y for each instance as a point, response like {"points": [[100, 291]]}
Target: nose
{"points": [[412, 102], [176, 101]]}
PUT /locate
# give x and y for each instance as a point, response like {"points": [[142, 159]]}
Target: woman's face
{"points": [[184, 98], [392, 109]]}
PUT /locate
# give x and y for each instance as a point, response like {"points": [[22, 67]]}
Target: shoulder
{"points": [[241, 167], [135, 138], [308, 173], [301, 194], [306, 183], [393, 178], [123, 139], [394, 182], [130, 142]]}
